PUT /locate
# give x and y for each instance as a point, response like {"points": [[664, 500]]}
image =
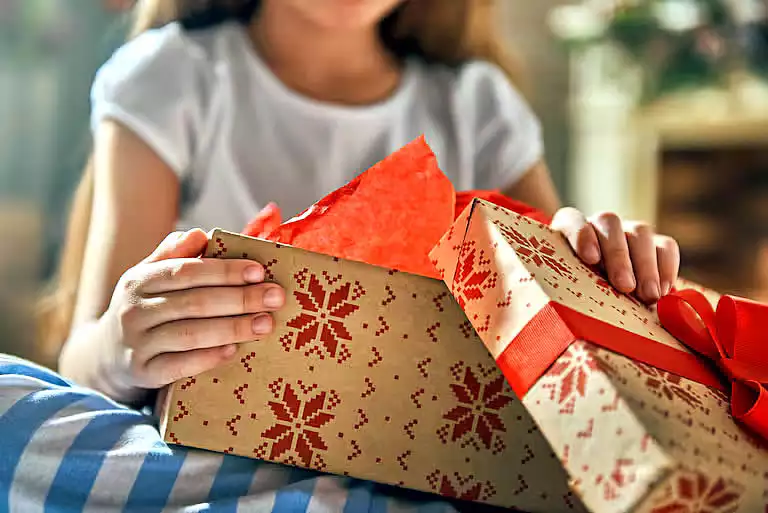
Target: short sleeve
{"points": [[151, 85], [507, 134]]}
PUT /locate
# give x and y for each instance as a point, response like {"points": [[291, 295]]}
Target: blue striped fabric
{"points": [[66, 448]]}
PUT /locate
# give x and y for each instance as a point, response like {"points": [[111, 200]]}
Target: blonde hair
{"points": [[440, 31]]}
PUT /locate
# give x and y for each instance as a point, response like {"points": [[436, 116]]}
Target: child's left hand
{"points": [[635, 257]]}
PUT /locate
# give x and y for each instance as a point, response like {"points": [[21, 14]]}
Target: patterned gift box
{"points": [[633, 435], [375, 374]]}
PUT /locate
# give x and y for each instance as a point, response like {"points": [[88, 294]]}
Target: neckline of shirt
{"points": [[396, 99]]}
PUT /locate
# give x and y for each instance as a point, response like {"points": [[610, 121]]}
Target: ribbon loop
{"points": [[691, 321], [734, 338], [741, 325]]}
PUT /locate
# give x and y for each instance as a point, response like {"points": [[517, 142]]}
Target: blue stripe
{"points": [[11, 366], [423, 502], [81, 464], [358, 496], [441, 507], [156, 478], [300, 474], [232, 481], [295, 497], [380, 500], [19, 424]]}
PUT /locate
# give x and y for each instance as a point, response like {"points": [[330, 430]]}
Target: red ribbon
{"points": [[734, 338]]}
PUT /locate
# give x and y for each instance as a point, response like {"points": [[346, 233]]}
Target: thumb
{"points": [[189, 244]]}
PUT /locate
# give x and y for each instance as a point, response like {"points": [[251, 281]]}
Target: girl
{"points": [[200, 121], [229, 104]]}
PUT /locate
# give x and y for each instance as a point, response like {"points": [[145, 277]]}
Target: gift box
{"points": [[371, 373], [519, 378], [640, 422]]}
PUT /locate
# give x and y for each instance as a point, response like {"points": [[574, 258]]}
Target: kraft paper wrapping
{"points": [[375, 374], [633, 437]]}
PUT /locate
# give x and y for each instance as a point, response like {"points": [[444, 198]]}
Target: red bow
{"points": [[735, 338]]}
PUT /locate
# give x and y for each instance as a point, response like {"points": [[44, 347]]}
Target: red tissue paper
{"points": [[392, 215]]}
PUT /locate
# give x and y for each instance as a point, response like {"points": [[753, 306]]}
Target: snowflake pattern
{"points": [[538, 251], [670, 386], [615, 482], [476, 418], [567, 379], [460, 487], [473, 276], [298, 420], [320, 325], [697, 493]]}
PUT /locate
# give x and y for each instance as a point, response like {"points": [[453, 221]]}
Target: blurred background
{"points": [[654, 109]]}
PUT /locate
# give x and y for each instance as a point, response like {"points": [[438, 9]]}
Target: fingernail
{"points": [[261, 324], [254, 274], [665, 288], [229, 351], [651, 290], [592, 254], [274, 298], [626, 281]]}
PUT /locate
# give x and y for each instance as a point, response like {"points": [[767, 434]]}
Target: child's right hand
{"points": [[175, 315]]}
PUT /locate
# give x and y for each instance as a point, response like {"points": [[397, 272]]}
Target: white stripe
{"points": [[121, 466], [40, 461], [193, 484], [330, 495], [267, 480], [16, 387], [195, 508]]}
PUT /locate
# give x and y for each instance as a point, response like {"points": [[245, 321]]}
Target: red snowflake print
{"points": [[299, 418], [622, 475], [460, 487], [472, 276], [666, 385], [538, 251], [698, 493], [320, 325], [476, 419], [567, 378]]}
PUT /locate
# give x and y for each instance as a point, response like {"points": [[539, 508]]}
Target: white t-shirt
{"points": [[238, 137]]}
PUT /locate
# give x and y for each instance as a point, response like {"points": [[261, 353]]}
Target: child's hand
{"points": [[175, 315], [634, 256]]}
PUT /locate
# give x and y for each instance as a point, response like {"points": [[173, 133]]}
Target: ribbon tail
{"points": [[749, 405]]}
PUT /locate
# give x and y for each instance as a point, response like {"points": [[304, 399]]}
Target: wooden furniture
{"points": [[695, 165]]}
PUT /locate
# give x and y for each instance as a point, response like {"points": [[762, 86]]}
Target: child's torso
{"points": [[264, 143]]}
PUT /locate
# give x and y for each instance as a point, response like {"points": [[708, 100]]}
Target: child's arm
{"points": [[141, 323], [134, 207], [536, 189]]}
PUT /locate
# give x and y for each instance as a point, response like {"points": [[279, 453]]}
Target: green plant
{"points": [[677, 43]]}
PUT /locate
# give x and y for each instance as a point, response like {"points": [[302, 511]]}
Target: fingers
{"points": [[188, 244], [634, 257], [642, 249], [668, 257], [615, 251], [194, 334], [188, 273], [199, 303], [169, 367], [580, 234]]}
